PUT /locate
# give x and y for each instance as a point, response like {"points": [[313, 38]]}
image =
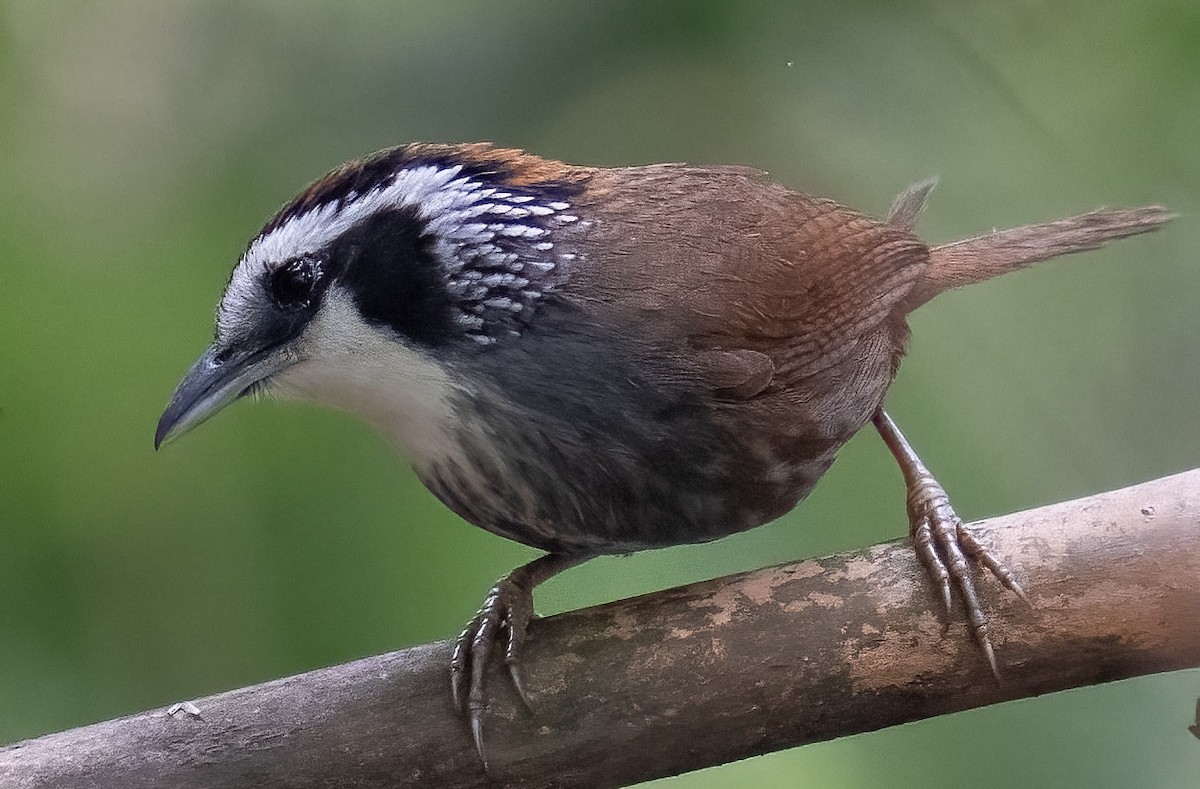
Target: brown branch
{"points": [[696, 676]]}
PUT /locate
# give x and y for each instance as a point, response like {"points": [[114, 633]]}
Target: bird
{"points": [[597, 361]]}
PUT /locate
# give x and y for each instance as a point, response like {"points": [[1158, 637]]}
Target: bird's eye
{"points": [[292, 283]]}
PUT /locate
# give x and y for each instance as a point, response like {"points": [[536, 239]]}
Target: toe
{"points": [[460, 667], [972, 546], [927, 554]]}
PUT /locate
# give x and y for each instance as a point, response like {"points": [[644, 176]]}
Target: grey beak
{"points": [[215, 380]]}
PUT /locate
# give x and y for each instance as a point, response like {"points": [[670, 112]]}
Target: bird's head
{"points": [[361, 291]]}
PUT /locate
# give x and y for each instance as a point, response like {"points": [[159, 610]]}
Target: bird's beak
{"points": [[216, 379]]}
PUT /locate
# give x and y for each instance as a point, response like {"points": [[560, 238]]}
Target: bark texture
{"points": [[699, 675]]}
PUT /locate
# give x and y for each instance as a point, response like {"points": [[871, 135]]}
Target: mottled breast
{"points": [[579, 439]]}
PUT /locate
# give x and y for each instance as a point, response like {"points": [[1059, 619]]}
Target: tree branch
{"points": [[696, 676]]}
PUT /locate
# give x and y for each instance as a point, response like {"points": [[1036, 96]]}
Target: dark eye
{"points": [[292, 284]]}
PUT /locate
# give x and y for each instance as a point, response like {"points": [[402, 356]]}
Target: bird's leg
{"points": [[943, 544], [508, 607]]}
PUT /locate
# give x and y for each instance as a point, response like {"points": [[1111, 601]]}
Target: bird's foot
{"points": [[508, 608], [946, 549]]}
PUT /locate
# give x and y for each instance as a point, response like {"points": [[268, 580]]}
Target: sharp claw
{"points": [[477, 736], [986, 645], [947, 601], [514, 674], [978, 624]]}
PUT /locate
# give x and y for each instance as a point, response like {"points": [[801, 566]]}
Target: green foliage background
{"points": [[143, 143]]}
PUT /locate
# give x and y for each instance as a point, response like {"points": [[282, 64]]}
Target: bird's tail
{"points": [[983, 257]]}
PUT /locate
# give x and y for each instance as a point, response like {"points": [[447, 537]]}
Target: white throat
{"points": [[369, 371]]}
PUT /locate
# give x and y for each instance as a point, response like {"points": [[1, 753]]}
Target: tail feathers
{"points": [[983, 257], [908, 205]]}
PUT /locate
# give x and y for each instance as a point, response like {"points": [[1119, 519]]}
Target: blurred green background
{"points": [[143, 143]]}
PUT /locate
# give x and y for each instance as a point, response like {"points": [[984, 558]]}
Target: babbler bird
{"points": [[594, 361]]}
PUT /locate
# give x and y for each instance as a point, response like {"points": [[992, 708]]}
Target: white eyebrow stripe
{"points": [[427, 187]]}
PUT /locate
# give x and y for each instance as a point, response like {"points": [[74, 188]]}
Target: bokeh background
{"points": [[143, 143]]}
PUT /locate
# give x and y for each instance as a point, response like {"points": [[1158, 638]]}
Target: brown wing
{"points": [[737, 264]]}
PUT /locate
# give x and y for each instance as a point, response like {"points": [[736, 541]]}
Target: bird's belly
{"points": [[601, 458], [616, 497]]}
